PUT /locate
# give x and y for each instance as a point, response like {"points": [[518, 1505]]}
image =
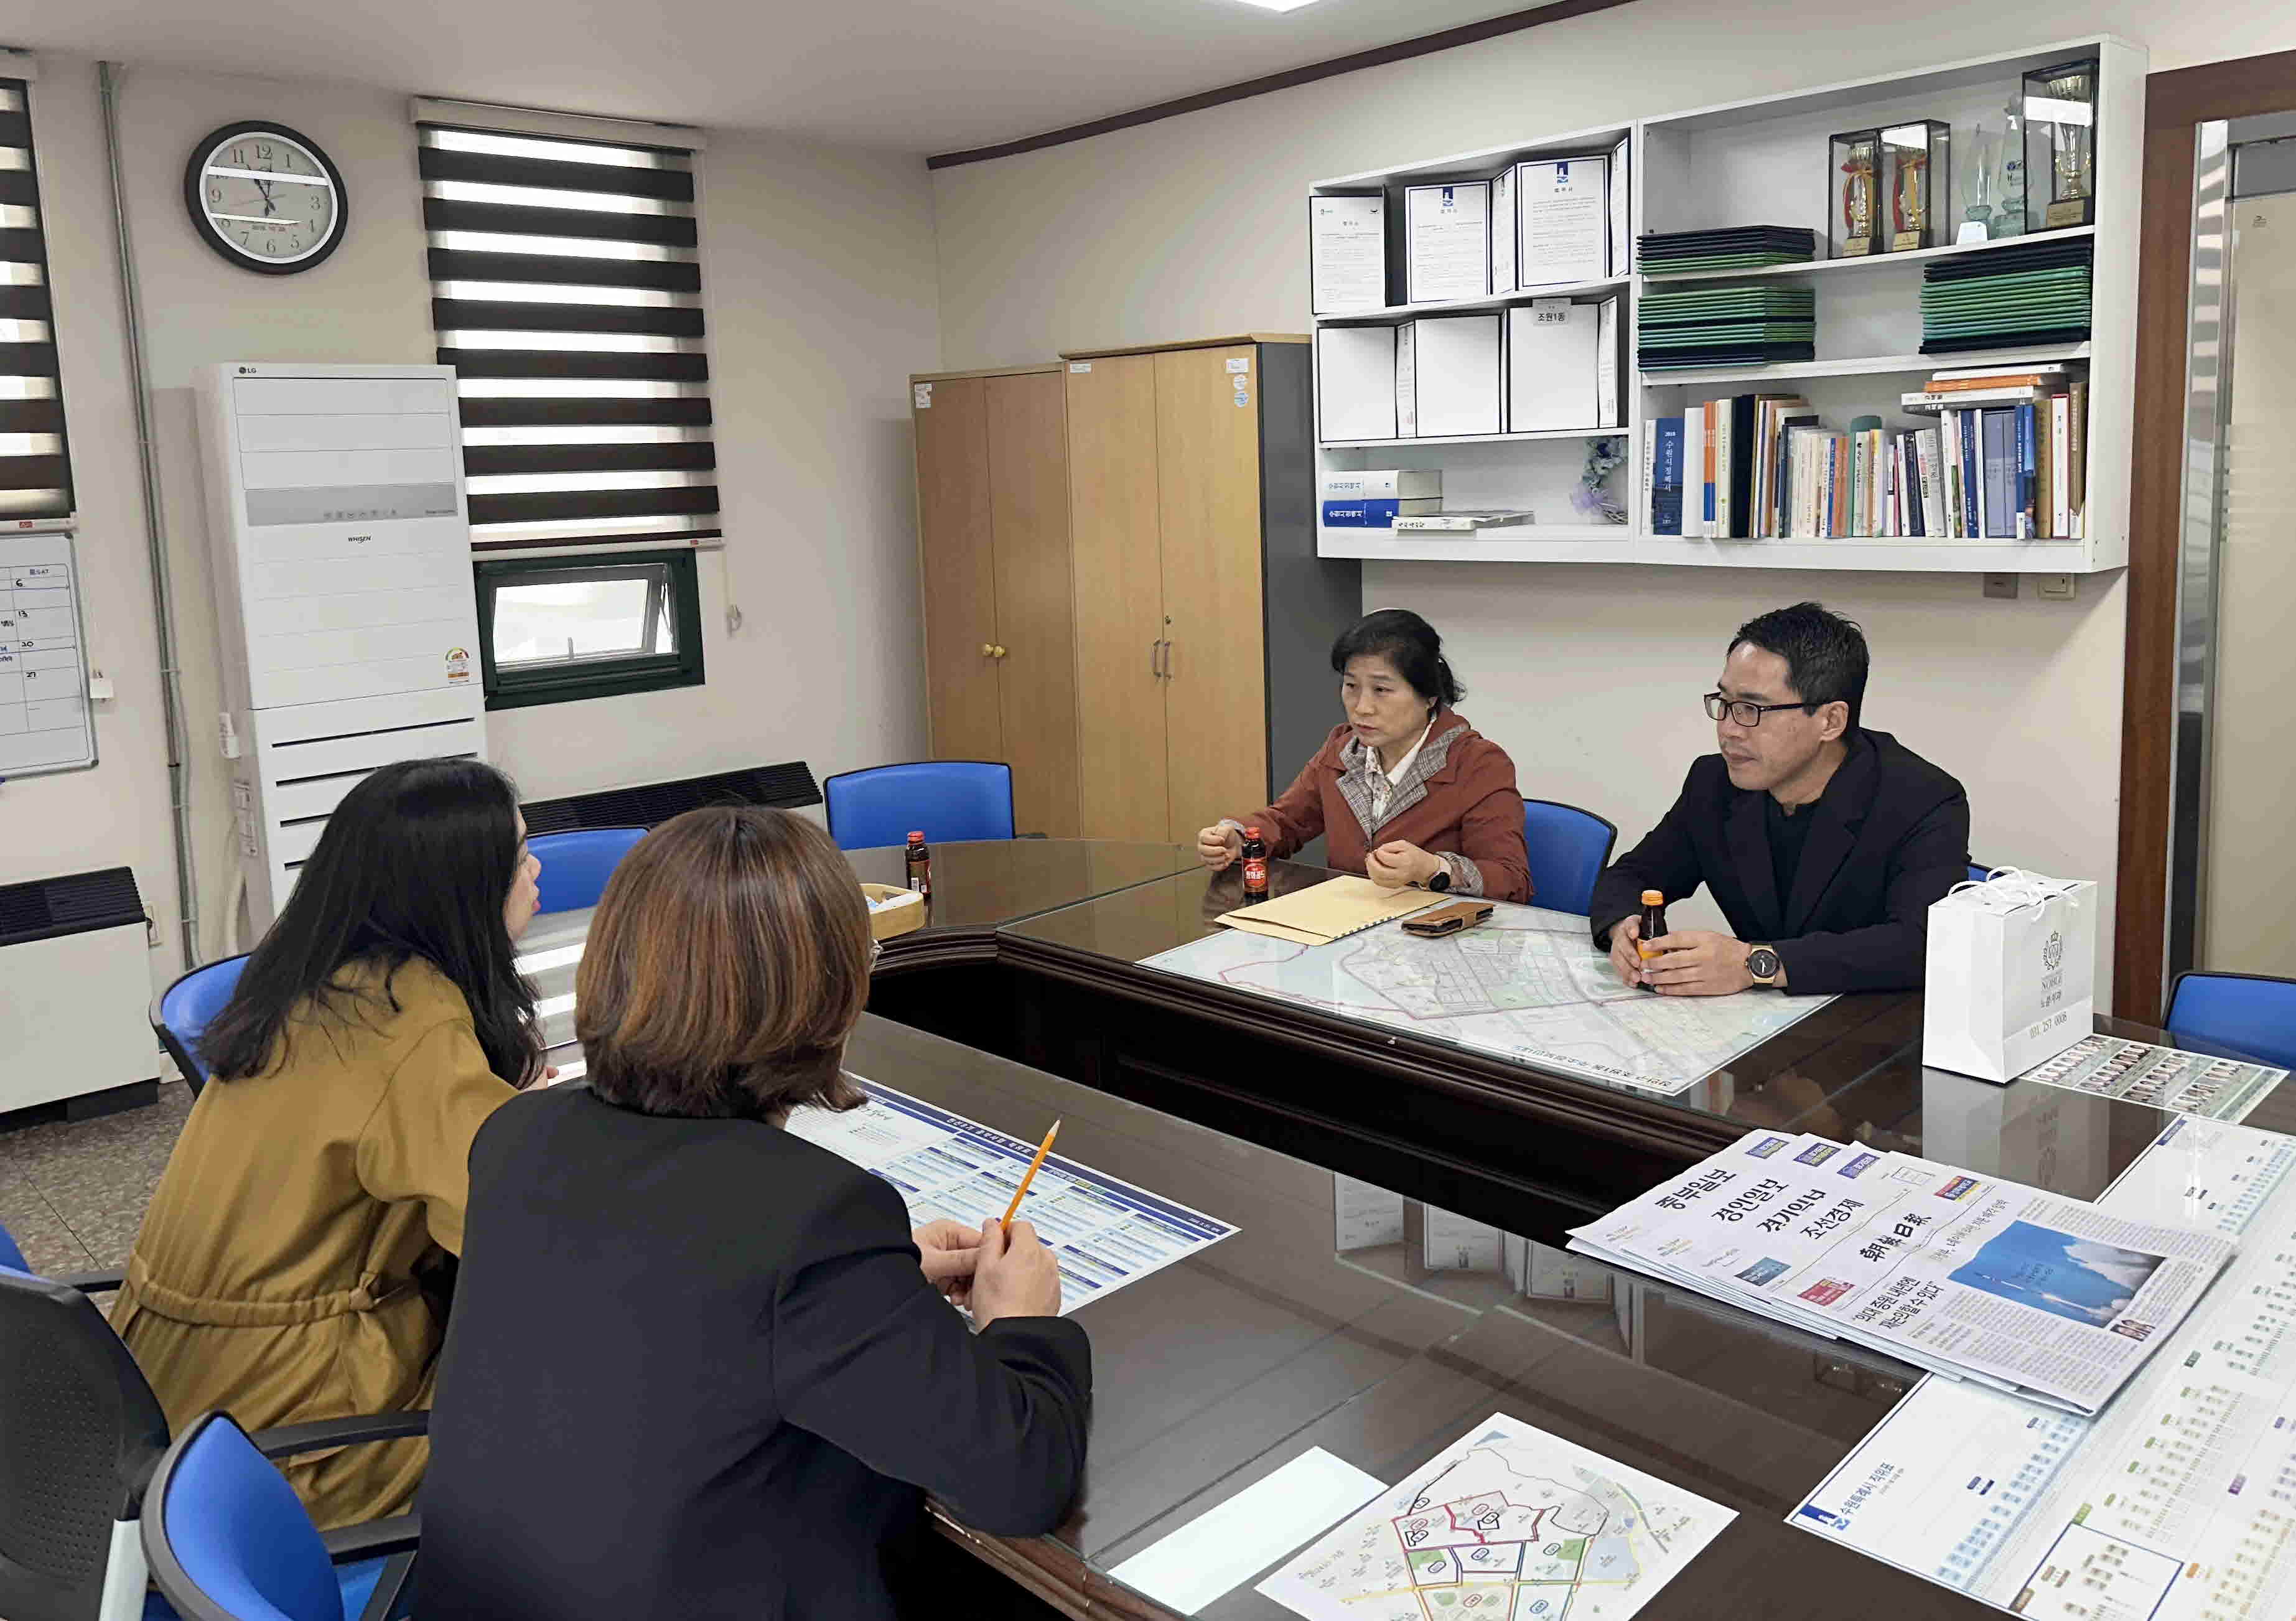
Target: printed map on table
{"points": [[1528, 985], [1507, 1524]]}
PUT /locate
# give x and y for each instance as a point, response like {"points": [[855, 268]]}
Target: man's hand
{"points": [[949, 1251], [1625, 956], [1399, 862], [1215, 847], [1697, 962]]}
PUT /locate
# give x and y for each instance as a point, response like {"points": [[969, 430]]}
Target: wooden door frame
{"points": [[2175, 102]]}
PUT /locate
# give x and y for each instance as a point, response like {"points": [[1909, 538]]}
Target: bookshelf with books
{"points": [[2057, 305], [1717, 198]]}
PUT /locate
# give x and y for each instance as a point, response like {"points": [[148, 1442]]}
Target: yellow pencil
{"points": [[1022, 1191]]}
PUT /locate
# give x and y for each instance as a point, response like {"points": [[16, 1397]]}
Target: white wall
{"points": [[1588, 674], [817, 273]]}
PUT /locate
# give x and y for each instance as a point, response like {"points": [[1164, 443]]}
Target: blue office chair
{"points": [[2250, 1014], [949, 801], [1568, 850], [576, 865], [227, 1540], [82, 1434], [1979, 871], [186, 1008]]}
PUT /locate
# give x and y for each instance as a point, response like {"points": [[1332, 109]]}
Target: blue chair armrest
{"points": [[290, 1439], [92, 1282]]}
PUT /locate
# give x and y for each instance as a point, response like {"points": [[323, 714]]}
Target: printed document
{"points": [[2178, 1503], [1966, 1275], [1105, 1233], [1347, 239], [1448, 228]]}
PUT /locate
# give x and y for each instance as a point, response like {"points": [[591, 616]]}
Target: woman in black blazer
{"points": [[695, 1367]]}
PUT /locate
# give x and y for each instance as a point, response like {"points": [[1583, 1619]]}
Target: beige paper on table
{"points": [[1331, 911]]}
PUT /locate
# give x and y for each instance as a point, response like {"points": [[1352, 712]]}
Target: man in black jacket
{"points": [[1824, 844]]}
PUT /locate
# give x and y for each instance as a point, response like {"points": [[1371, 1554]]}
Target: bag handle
{"points": [[2011, 889]]}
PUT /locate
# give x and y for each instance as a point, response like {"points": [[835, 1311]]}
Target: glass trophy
{"points": [[2060, 145], [1913, 184], [1977, 185], [2009, 178], [1855, 227]]}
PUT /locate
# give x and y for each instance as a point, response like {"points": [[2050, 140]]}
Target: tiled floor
{"points": [[72, 1193]]}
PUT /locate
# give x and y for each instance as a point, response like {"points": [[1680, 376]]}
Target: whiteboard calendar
{"points": [[44, 724]]}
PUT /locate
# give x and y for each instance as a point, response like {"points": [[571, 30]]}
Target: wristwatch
{"points": [[1762, 963], [1440, 883]]}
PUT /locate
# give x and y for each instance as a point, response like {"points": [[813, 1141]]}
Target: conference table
{"points": [[1213, 1373]]}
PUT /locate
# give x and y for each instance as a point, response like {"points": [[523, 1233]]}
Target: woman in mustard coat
{"points": [[324, 1168]]}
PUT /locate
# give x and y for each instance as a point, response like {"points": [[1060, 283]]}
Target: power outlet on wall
{"points": [[2003, 585], [2054, 587]]}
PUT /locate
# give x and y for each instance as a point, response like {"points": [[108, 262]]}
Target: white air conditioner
{"points": [[342, 545]]}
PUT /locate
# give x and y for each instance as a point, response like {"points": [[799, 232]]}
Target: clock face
{"points": [[266, 198]]}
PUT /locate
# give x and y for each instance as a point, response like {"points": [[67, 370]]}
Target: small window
{"points": [[551, 630]]}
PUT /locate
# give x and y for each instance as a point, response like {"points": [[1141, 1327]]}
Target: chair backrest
{"points": [[188, 1007], [228, 1539], [10, 1255], [1979, 871], [946, 800], [1569, 848], [2250, 1014], [576, 865], [80, 1431]]}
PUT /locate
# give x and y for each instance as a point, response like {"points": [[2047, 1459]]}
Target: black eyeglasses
{"points": [[1738, 709]]}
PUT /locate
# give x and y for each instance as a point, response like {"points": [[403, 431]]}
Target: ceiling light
{"points": [[1279, 6]]}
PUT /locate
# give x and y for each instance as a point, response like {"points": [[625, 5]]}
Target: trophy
{"points": [[2009, 204], [1977, 193], [1914, 178], [2060, 108], [1855, 222]]}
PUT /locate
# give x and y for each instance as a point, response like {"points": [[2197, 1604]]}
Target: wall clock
{"points": [[266, 198]]}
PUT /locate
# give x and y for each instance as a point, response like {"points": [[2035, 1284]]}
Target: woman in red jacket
{"points": [[1404, 791]]}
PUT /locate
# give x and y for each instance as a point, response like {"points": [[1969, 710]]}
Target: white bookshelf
{"points": [[1765, 162]]}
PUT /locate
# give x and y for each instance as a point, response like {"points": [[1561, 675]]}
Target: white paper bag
{"points": [[2012, 973]]}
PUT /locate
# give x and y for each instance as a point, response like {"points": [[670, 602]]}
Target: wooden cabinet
{"points": [[993, 566], [1203, 618]]}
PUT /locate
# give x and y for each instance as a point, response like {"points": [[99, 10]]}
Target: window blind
{"points": [[35, 463], [566, 289]]}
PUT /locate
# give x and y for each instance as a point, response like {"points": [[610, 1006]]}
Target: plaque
{"points": [[2059, 109]]}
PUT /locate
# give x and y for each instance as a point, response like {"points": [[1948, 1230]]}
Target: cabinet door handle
{"points": [[989, 649], [1167, 661], [1155, 658], [1000, 650]]}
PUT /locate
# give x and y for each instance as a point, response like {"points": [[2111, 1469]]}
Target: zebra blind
{"points": [[35, 465], [566, 289]]}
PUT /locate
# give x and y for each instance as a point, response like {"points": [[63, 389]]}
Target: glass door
{"points": [[2232, 865]]}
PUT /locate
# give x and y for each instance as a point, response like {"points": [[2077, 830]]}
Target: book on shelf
{"points": [[1764, 467], [1463, 522], [1377, 512], [1662, 448], [1383, 484]]}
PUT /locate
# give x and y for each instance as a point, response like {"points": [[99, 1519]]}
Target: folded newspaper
{"points": [[1969, 1276]]}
